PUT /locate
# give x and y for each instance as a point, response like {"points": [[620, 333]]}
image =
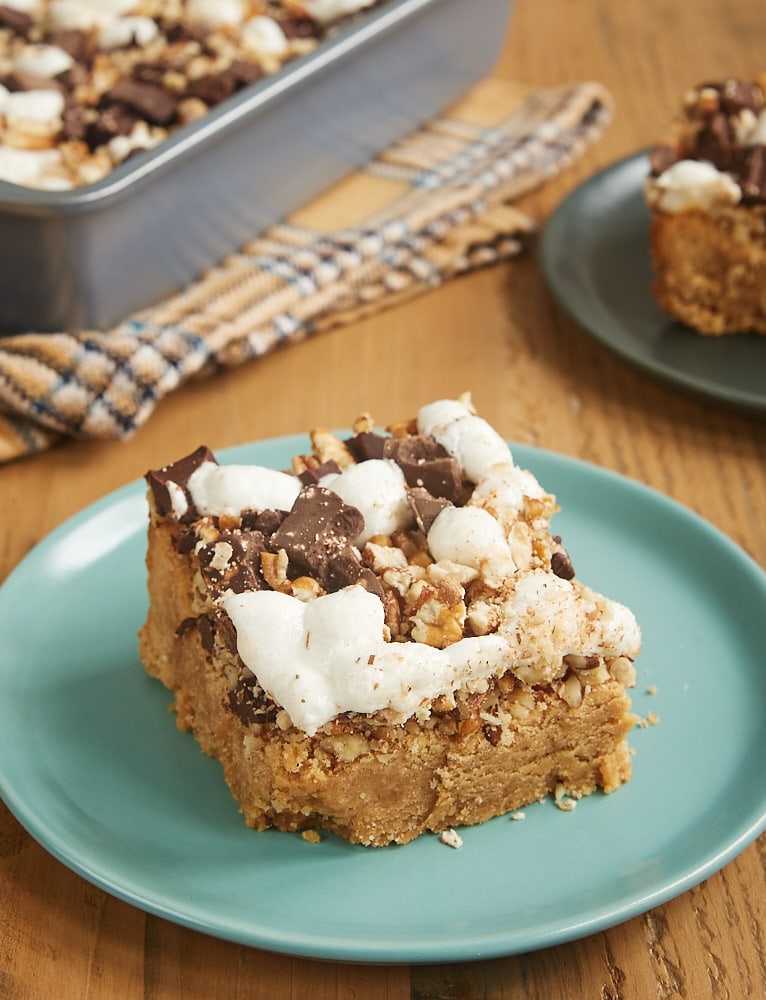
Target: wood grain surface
{"points": [[541, 380]]}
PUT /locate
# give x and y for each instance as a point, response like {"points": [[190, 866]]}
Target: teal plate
{"points": [[594, 253], [92, 765]]}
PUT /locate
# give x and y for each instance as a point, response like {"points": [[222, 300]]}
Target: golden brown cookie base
{"points": [[373, 783], [710, 269]]}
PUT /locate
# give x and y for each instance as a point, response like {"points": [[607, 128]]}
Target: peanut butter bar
{"points": [[707, 195], [385, 639]]}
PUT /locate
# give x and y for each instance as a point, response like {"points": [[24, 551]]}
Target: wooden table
{"points": [[540, 380]]}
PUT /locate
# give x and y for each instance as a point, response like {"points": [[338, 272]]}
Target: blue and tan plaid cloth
{"points": [[443, 205]]}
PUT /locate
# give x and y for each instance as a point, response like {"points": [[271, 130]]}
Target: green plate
{"points": [[594, 253], [92, 765]]}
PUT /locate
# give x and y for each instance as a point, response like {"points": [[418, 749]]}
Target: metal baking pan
{"points": [[86, 258]]}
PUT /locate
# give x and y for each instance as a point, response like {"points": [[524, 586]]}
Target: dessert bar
{"points": [[85, 84], [707, 195], [385, 639]]}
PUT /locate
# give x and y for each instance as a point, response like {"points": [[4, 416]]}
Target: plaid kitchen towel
{"points": [[435, 205]]}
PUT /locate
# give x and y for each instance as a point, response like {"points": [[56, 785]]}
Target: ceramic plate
{"points": [[595, 257], [92, 765]]}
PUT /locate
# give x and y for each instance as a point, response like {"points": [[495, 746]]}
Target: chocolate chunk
{"points": [[73, 41], [75, 76], [244, 72], [74, 126], [250, 703], [208, 627], [149, 72], [236, 568], [299, 27], [185, 625], [212, 88], [150, 101], [320, 523], [714, 141], [561, 564], [369, 581], [20, 79], [426, 463], [366, 445], [224, 627], [425, 507], [206, 632], [752, 173], [17, 20], [187, 539], [112, 121], [736, 95], [661, 157], [205, 626], [493, 734], [185, 31], [309, 476], [265, 521], [318, 536], [177, 474]]}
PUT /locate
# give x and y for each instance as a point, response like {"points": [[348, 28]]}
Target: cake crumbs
{"points": [[451, 838], [518, 815], [651, 720], [652, 689], [563, 799], [311, 836]]}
